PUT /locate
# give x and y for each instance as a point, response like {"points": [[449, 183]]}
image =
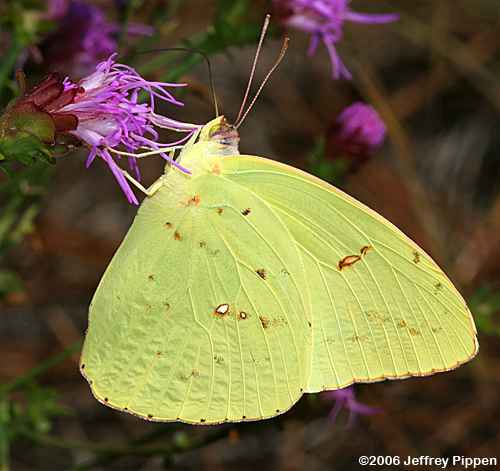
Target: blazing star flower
{"points": [[359, 130], [345, 398], [84, 36], [103, 111], [324, 20]]}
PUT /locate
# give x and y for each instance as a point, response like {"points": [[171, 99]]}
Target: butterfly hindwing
{"points": [[200, 316]]}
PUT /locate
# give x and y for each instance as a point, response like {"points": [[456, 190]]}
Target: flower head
{"points": [[360, 124], [84, 36], [345, 398], [103, 111], [324, 20], [358, 132]]}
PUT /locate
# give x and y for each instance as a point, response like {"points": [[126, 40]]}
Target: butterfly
{"points": [[247, 283], [244, 285]]}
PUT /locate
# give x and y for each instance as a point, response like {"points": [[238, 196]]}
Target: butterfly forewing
{"points": [[381, 308]]}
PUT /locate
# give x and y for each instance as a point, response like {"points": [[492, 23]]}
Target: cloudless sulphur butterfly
{"points": [[248, 283]]}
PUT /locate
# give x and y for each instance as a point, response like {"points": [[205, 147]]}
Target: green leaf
{"points": [[25, 148], [9, 283], [485, 304], [38, 124]]}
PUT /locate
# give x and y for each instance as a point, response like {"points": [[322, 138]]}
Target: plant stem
{"points": [[109, 453], [40, 369], [9, 62]]}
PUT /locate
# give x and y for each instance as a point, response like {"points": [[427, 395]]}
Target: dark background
{"points": [[433, 76]]}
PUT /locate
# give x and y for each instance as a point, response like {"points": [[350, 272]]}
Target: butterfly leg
{"points": [[140, 155], [150, 191]]}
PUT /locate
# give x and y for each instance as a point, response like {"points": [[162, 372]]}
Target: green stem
{"points": [[40, 369], [108, 453], [9, 62], [4, 436]]}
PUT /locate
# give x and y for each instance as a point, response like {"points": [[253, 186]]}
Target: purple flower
{"points": [[103, 111], [110, 116], [56, 9], [324, 20], [359, 130], [345, 399], [84, 36]]}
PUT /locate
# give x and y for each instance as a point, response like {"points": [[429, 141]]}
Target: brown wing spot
{"points": [[219, 359], [150, 416], [221, 310], [280, 321], [82, 367], [220, 210], [203, 244], [246, 211], [364, 250], [106, 399], [215, 168], [151, 277], [177, 236], [203, 420], [264, 321], [377, 317], [158, 354], [195, 374], [413, 331], [168, 225], [348, 261], [194, 201], [243, 315], [262, 273], [437, 288], [416, 257], [402, 324], [167, 306], [310, 325]]}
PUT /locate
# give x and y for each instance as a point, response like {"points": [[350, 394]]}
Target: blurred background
{"points": [[433, 78]]}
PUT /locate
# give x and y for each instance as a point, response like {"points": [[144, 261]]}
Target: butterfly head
{"points": [[220, 132]]}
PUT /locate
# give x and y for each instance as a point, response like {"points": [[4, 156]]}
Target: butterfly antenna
{"points": [[281, 55], [254, 65], [206, 59]]}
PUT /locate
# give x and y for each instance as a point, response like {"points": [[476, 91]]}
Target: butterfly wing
{"points": [[381, 307], [201, 316]]}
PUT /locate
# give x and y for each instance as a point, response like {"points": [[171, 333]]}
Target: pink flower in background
{"points": [[359, 130], [355, 135], [345, 399], [324, 20], [84, 36], [103, 111]]}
